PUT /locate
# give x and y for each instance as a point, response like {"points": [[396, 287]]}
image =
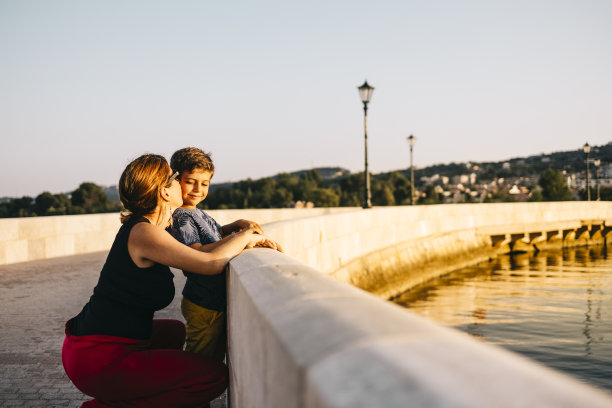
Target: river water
{"points": [[554, 307]]}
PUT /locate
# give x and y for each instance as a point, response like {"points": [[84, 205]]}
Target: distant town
{"points": [[559, 176], [519, 179]]}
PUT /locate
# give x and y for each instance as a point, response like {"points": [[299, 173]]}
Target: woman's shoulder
{"points": [[142, 227], [135, 220]]}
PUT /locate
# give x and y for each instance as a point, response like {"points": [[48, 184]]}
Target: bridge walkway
{"points": [[36, 299]]}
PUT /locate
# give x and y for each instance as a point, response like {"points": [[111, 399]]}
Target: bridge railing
{"points": [[32, 238], [298, 338]]}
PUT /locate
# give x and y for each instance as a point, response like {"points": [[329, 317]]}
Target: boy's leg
{"points": [[206, 330]]}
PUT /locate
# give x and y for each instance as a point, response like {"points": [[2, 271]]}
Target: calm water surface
{"points": [[554, 307]]}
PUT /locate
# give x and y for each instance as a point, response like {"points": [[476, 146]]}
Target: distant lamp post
{"points": [[597, 163], [411, 141], [365, 92], [587, 150]]}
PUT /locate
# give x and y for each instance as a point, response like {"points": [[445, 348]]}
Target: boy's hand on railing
{"points": [[240, 225]]}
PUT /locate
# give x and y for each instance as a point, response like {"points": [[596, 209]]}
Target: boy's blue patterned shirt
{"points": [[196, 226]]}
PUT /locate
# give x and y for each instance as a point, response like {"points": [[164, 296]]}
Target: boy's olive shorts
{"points": [[206, 330]]}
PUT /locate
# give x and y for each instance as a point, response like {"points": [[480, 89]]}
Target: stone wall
{"points": [[299, 338], [32, 238], [372, 248]]}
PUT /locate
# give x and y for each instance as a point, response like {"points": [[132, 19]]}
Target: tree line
{"points": [[88, 198], [391, 188], [284, 190]]}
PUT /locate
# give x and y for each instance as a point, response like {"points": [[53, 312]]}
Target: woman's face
{"points": [[175, 192]]}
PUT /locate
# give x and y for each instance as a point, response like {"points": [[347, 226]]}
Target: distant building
{"points": [[430, 180], [461, 179], [514, 190]]}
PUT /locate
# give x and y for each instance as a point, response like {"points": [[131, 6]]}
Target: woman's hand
{"points": [[258, 240]]}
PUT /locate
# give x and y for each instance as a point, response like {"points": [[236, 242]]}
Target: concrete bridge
{"points": [[300, 336]]}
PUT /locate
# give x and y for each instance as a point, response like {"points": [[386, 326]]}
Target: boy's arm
{"points": [[238, 225]]}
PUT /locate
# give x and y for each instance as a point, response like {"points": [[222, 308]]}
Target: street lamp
{"points": [[587, 150], [597, 163], [411, 141], [365, 92]]}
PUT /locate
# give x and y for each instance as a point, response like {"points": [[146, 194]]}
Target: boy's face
{"points": [[194, 185]]}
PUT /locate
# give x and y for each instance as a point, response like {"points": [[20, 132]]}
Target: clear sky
{"points": [[271, 86]]}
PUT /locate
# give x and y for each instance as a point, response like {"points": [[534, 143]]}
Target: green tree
{"points": [[431, 196], [351, 190], [43, 202], [605, 193], [554, 186], [349, 199], [307, 184], [323, 197], [536, 195], [52, 204], [281, 198], [401, 187], [382, 193], [500, 196], [17, 207], [90, 198], [263, 189]]}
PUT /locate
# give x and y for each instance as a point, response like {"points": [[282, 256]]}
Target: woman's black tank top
{"points": [[126, 296]]}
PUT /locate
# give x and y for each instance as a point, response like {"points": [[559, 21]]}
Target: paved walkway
{"points": [[36, 299]]}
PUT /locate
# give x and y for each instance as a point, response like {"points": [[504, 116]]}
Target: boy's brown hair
{"points": [[191, 158]]}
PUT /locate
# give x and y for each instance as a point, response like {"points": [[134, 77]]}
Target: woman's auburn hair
{"points": [[140, 185]]}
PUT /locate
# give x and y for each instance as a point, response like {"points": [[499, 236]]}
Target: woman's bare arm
{"points": [[148, 244], [265, 243]]}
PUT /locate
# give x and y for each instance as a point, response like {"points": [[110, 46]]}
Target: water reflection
{"points": [[553, 306]]}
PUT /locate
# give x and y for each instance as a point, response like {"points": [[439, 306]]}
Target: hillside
{"points": [[512, 180]]}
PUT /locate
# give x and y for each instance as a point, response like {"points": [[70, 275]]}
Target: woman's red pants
{"points": [[120, 372]]}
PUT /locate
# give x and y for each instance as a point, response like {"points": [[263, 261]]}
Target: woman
{"points": [[114, 350]]}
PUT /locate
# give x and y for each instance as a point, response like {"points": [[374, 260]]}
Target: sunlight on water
{"points": [[554, 307]]}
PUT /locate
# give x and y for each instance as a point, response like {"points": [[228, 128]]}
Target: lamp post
{"points": [[597, 162], [365, 92], [411, 141], [587, 150]]}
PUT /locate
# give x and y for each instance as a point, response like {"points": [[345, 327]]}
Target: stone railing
{"points": [[32, 238], [371, 249], [298, 338]]}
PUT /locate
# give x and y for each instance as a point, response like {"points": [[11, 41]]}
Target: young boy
{"points": [[204, 296]]}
